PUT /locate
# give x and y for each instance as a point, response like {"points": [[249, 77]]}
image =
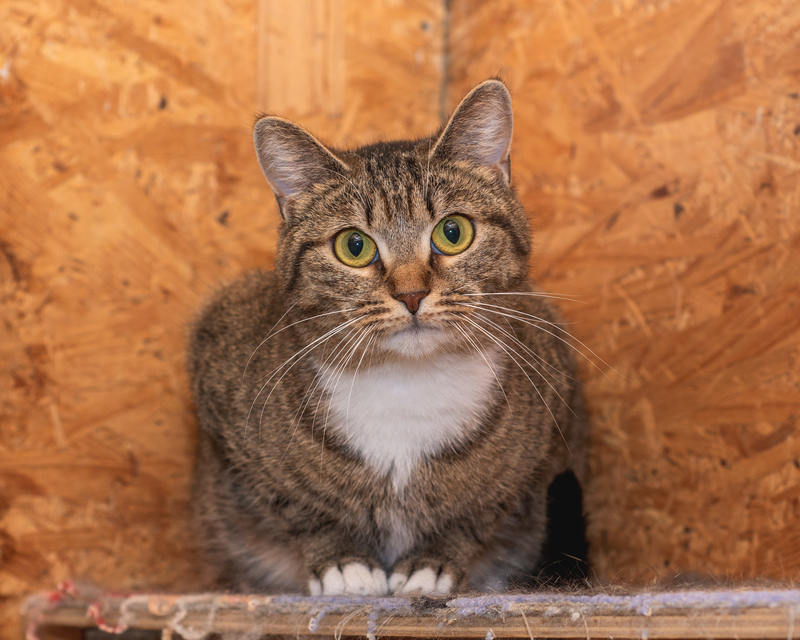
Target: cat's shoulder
{"points": [[239, 307], [251, 287]]}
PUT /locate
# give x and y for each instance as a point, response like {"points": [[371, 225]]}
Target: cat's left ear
{"points": [[480, 129], [292, 159]]}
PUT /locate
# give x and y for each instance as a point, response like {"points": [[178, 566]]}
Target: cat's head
{"points": [[389, 243]]}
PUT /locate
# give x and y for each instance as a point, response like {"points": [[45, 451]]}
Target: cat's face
{"points": [[390, 245]]}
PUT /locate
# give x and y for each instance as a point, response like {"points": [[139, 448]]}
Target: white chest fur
{"points": [[394, 414]]}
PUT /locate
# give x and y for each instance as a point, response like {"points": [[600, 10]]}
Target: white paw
{"points": [[354, 579], [423, 582]]}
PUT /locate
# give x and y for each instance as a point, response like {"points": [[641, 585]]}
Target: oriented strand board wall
{"points": [[128, 189], [657, 146]]}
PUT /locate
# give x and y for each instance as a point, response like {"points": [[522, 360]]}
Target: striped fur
{"points": [[350, 445]]}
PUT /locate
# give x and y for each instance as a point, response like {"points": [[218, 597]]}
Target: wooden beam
{"points": [[712, 614]]}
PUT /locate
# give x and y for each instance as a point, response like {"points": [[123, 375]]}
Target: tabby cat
{"points": [[393, 410]]}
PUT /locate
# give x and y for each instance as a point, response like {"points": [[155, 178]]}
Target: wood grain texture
{"points": [[657, 148], [386, 58], [129, 189], [691, 614]]}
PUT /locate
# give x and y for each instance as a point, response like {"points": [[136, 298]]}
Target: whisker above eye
{"points": [[352, 184]]}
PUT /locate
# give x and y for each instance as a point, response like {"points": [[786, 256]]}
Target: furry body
{"points": [[394, 427]]}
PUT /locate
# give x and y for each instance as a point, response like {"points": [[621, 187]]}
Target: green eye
{"points": [[354, 248], [452, 235]]}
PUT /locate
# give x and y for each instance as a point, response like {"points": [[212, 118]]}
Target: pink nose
{"points": [[411, 300]]}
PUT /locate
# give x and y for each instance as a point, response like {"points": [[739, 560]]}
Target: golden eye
{"points": [[452, 235], [354, 248]]}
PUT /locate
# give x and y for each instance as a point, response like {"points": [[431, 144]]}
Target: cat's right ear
{"points": [[292, 160], [480, 129]]}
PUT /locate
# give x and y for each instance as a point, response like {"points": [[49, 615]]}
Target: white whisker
{"points": [[479, 349], [427, 169], [326, 337], [335, 384], [315, 383], [534, 294], [349, 344], [521, 317], [506, 348], [521, 314], [524, 346], [297, 356], [355, 375], [530, 364], [288, 326], [319, 378]]}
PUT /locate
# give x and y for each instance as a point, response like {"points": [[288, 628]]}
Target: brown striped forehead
{"points": [[391, 176], [395, 194]]}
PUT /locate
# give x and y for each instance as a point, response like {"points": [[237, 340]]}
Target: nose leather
{"points": [[412, 300]]}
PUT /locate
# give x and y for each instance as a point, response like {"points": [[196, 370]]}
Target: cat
{"points": [[393, 409]]}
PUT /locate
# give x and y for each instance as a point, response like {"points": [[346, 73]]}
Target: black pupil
{"points": [[451, 231], [355, 244]]}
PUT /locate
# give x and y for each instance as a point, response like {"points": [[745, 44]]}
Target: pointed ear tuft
{"points": [[480, 129], [292, 159]]}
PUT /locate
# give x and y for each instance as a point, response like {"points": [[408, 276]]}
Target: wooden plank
{"points": [[681, 615]]}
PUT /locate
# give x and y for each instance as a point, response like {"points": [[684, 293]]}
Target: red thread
{"points": [[32, 632], [68, 588], [94, 613]]}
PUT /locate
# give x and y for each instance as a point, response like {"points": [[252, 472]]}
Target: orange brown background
{"points": [[656, 149]]}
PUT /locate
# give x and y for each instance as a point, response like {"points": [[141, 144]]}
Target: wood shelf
{"points": [[645, 616]]}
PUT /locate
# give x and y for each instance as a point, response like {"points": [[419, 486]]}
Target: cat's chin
{"points": [[417, 341]]}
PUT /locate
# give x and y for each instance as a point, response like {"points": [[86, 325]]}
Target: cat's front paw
{"points": [[426, 581], [354, 578]]}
